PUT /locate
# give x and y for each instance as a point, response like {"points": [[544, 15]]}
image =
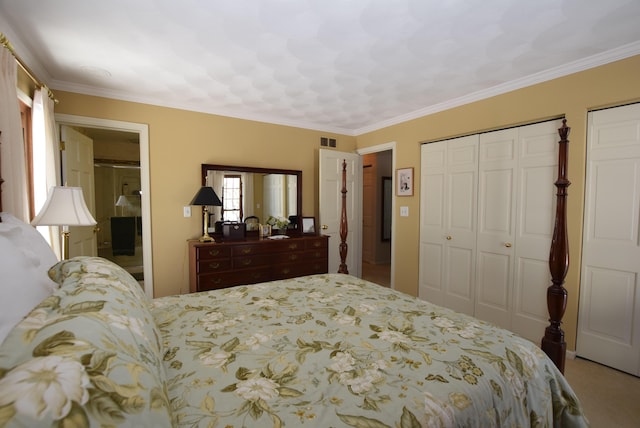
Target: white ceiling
{"points": [[334, 65]]}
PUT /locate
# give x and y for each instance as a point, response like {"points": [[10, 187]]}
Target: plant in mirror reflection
{"points": [[278, 222]]}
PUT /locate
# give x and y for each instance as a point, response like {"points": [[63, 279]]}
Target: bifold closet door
{"points": [[535, 213], [486, 220], [609, 311], [516, 209], [497, 180], [448, 209]]}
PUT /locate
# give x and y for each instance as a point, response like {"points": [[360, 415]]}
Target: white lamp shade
{"points": [[65, 206], [123, 201]]}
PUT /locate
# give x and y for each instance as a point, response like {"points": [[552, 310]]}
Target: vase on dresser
{"points": [[280, 231]]}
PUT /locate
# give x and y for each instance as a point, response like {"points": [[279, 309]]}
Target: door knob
{"points": [[449, 238], [325, 227], [96, 229], [507, 244]]}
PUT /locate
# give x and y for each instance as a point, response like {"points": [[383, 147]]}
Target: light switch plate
{"points": [[404, 211], [186, 211]]}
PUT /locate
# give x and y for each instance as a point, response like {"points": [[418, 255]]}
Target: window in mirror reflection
{"points": [[232, 198]]}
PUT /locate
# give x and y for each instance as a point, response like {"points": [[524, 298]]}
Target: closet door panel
{"points": [[537, 170], [448, 208], [432, 222], [496, 230], [461, 189]]}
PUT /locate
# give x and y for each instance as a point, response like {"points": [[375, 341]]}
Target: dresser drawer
{"points": [[307, 267], [214, 281], [250, 249], [316, 243], [252, 261], [315, 254], [212, 252], [213, 265]]}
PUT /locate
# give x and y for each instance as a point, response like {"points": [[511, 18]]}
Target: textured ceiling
{"points": [[334, 65]]}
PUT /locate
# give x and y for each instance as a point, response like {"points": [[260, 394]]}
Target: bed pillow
{"points": [[89, 355], [25, 259]]}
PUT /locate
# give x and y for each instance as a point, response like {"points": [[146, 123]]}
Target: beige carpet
{"points": [[609, 397], [378, 273]]}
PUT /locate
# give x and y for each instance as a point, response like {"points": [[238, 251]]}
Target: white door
{"points": [[498, 163], [516, 210], [609, 316], [448, 209], [78, 172], [486, 219], [536, 206], [330, 187]]}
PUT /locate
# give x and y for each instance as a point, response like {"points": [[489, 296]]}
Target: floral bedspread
{"points": [[317, 351], [333, 350]]}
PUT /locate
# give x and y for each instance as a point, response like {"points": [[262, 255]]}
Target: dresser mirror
{"points": [[249, 192]]}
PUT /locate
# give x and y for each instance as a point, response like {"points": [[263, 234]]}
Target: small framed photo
{"points": [[404, 179], [309, 225]]}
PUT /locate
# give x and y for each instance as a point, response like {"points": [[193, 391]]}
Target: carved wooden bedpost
{"points": [[553, 343], [343, 222]]}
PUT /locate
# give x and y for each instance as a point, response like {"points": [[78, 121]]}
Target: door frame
{"points": [[391, 145], [143, 132]]}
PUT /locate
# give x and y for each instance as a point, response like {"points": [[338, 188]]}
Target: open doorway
{"points": [[377, 215], [121, 167], [118, 191]]}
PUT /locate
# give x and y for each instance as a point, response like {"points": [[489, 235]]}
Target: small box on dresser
{"points": [[230, 263]]}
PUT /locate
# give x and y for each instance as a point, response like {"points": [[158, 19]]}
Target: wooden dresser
{"points": [[225, 264]]}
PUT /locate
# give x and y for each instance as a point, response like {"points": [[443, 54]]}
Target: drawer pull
{"points": [[286, 271], [247, 262], [214, 252], [293, 246], [293, 257], [214, 265], [317, 244], [215, 281], [247, 250]]}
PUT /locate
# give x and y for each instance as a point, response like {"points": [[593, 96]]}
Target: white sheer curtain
{"points": [[215, 179], [14, 191], [248, 207], [46, 159]]}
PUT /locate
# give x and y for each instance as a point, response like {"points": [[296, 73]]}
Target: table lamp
{"points": [[64, 207], [123, 203], [206, 197]]}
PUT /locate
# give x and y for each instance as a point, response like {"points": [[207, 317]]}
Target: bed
{"points": [[323, 350]]}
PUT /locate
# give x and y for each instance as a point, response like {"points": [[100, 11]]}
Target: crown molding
{"points": [[603, 58]]}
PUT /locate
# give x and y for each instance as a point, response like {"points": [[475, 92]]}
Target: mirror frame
{"points": [[206, 167]]}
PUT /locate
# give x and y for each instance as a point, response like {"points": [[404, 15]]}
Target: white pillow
{"points": [[25, 258]]}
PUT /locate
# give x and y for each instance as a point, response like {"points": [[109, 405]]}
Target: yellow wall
{"points": [[571, 96], [179, 141]]}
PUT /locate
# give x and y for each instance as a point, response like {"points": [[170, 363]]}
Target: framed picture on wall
{"points": [[404, 178]]}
